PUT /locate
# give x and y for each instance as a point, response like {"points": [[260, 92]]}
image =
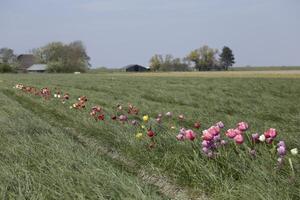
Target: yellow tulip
{"points": [[145, 118], [139, 135]]}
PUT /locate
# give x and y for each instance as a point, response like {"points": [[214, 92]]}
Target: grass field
{"points": [[49, 151]]}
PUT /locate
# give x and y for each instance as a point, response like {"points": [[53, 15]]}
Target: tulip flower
{"points": [[169, 114], [181, 117], [220, 124], [252, 152], [270, 133], [206, 135], [173, 127], [190, 135], [101, 117], [255, 137], [114, 117], [242, 126], [197, 125], [139, 135], [281, 151], [262, 138], [159, 115], [205, 143], [158, 120], [231, 133], [281, 143], [123, 118], [205, 150], [223, 142], [180, 137], [294, 151], [134, 122], [239, 139], [150, 133], [145, 118]]}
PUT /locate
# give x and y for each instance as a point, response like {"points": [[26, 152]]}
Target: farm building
{"points": [[25, 61], [135, 68], [37, 68]]}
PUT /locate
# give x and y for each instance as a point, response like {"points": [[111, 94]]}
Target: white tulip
{"points": [[262, 138], [294, 151]]}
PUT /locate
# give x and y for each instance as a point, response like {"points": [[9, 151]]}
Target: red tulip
{"points": [[101, 117], [197, 125], [150, 133], [190, 134]]}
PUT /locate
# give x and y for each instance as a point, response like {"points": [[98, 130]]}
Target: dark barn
{"points": [[25, 61], [136, 68]]}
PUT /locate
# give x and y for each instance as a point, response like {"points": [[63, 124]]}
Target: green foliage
{"points": [[5, 68], [63, 58], [7, 55], [167, 63], [226, 58], [204, 58]]}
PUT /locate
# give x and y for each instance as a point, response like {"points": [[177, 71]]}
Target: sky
{"points": [[121, 32]]}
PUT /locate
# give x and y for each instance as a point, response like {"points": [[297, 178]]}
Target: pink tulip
{"points": [[180, 137], [123, 118], [207, 135], [270, 133], [214, 130], [238, 131], [242, 126], [239, 139], [231, 133], [190, 134], [158, 120]]}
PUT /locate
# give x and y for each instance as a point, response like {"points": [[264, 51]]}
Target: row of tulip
{"points": [[211, 138]]}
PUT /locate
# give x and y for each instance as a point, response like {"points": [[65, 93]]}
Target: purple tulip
{"points": [[220, 124], [223, 142], [281, 151], [255, 137], [281, 143], [205, 143], [252, 152], [205, 150]]}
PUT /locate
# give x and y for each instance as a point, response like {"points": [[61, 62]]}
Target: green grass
{"points": [[49, 151]]}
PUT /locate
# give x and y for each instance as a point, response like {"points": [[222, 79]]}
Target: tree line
{"points": [[201, 59], [59, 57], [66, 58]]}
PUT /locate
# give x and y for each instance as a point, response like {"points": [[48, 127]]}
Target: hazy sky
{"points": [[121, 32]]}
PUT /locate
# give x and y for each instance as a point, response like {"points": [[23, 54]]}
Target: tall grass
{"points": [[262, 102]]}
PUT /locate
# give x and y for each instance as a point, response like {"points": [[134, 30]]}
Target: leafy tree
{"points": [[226, 58], [61, 57], [155, 62], [5, 68], [167, 63], [203, 58], [7, 55]]}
